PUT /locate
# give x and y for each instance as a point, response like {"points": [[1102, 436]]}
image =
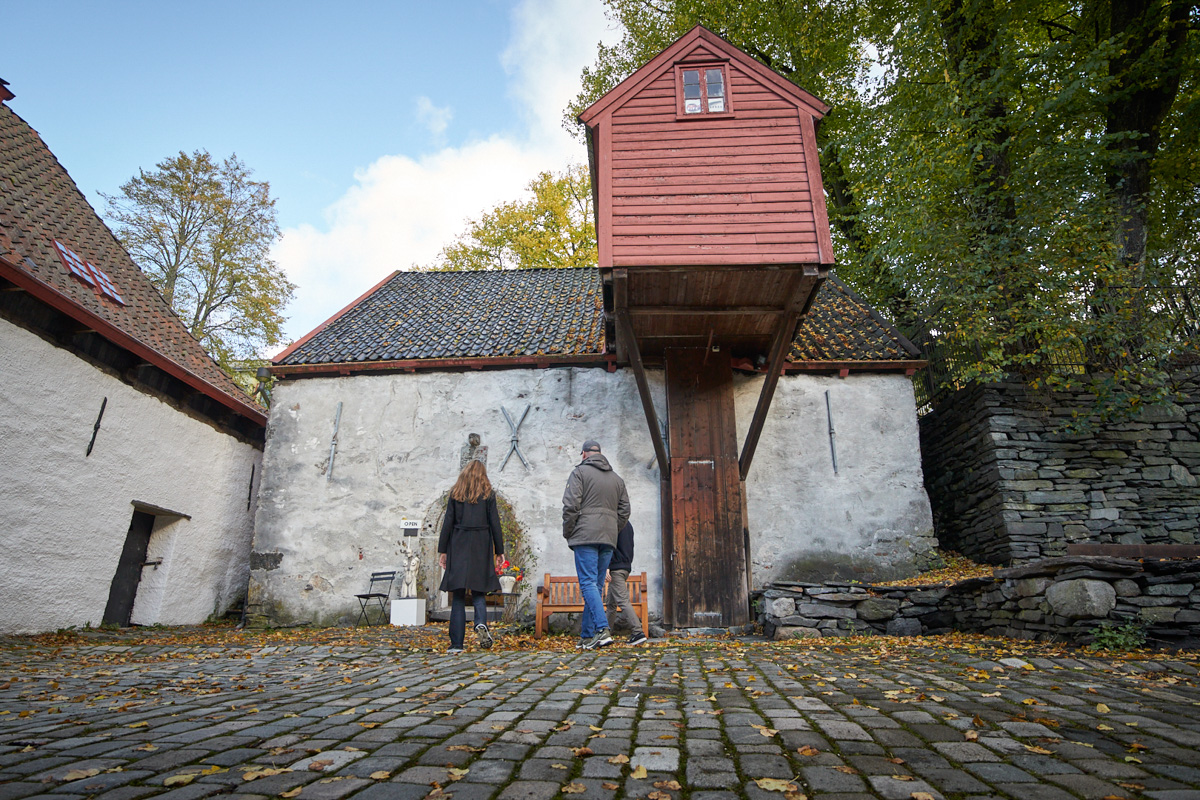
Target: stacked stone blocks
{"points": [[1008, 483]]}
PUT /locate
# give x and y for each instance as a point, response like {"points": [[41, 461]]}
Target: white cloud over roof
{"points": [[403, 209]]}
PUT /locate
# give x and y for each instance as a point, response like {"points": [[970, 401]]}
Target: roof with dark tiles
{"points": [[40, 203], [414, 316]]}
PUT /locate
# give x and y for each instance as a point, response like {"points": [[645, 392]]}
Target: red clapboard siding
{"points": [[692, 191]]}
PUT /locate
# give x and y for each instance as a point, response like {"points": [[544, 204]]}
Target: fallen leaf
{"points": [[776, 785], [990, 694], [264, 772], [609, 786], [580, 752], [921, 796], [971, 736], [807, 750], [657, 795], [672, 786], [559, 766], [466, 748], [293, 793], [319, 766], [1133, 760], [620, 758], [667, 736], [1041, 751], [847, 769], [638, 773], [180, 780], [573, 788], [80, 774], [1103, 727], [903, 778], [147, 748], [369, 724], [1101, 708], [381, 775], [457, 774], [142, 724]]}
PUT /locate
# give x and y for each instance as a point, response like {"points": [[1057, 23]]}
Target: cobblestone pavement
{"points": [[707, 721]]}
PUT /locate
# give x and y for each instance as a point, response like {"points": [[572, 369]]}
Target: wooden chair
{"points": [[377, 594], [561, 594]]}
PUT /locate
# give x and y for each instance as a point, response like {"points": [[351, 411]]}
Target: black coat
{"points": [[470, 535]]}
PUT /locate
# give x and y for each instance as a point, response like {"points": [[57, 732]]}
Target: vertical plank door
{"points": [[706, 547]]}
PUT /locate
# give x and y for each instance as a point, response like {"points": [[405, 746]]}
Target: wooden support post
{"points": [[797, 304], [625, 331], [620, 285]]}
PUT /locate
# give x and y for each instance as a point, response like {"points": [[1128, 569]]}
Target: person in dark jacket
{"points": [[595, 509], [470, 550], [618, 587]]}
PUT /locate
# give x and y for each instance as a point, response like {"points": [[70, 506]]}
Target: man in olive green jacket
{"points": [[595, 509]]}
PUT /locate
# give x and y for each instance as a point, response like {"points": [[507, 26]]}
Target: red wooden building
{"points": [[713, 239]]}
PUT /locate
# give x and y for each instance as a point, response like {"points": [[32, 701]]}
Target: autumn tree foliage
{"points": [[1016, 178], [554, 227], [201, 230]]}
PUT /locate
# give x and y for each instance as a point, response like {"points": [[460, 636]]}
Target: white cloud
{"points": [[435, 118], [403, 210]]}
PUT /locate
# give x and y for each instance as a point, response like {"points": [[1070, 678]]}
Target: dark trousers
{"points": [[458, 614]]}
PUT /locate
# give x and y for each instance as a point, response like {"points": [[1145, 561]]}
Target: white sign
{"points": [[411, 527]]}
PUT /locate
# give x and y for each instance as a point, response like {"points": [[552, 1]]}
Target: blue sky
{"points": [[381, 126]]}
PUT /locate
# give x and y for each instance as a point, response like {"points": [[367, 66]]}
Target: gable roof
{"points": [[701, 42], [39, 203], [432, 320]]}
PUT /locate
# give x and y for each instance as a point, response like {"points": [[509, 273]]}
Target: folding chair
{"points": [[377, 593]]}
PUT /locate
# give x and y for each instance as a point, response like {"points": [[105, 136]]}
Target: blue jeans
{"points": [[591, 565], [458, 614]]}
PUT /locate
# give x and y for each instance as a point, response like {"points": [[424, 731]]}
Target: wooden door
{"points": [[123, 590], [706, 550]]}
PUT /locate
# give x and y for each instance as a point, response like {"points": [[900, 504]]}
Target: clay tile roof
{"points": [[501, 314], [40, 203], [840, 326], [489, 314]]}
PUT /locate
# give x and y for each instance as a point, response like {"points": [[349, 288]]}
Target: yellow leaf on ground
{"points": [[559, 766], [776, 785], [265, 772], [457, 774], [573, 788], [142, 724], [638, 773], [1103, 709], [580, 752], [146, 748], [319, 766], [180, 780], [657, 795], [620, 758], [381, 775], [807, 750], [609, 786], [1041, 751], [921, 796], [80, 774], [672, 786], [293, 793], [1103, 727]]}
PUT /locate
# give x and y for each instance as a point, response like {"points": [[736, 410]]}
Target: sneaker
{"points": [[484, 636], [600, 639], [636, 638], [454, 651]]}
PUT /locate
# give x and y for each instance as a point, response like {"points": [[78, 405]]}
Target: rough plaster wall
{"points": [[868, 520], [65, 516], [398, 453]]}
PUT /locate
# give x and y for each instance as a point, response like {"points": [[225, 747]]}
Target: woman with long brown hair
{"points": [[470, 549]]}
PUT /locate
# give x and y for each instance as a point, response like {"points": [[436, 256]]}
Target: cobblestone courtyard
{"points": [[385, 715]]}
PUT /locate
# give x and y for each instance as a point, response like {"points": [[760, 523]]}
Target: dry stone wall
{"points": [[1008, 484], [1057, 599]]}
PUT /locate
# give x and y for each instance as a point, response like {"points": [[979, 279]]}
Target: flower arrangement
{"points": [[511, 570]]}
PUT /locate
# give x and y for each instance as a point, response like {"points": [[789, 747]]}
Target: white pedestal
{"points": [[408, 611]]}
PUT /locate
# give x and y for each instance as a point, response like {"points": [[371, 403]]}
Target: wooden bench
{"points": [[561, 594]]}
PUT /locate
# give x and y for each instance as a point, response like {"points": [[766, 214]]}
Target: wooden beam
{"points": [[620, 281], [797, 305], [716, 311], [625, 331]]}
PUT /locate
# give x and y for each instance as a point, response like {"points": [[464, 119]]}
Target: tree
{"points": [[201, 231], [554, 228], [1016, 175]]}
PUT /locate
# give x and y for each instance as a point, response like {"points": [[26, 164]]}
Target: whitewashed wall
{"points": [[317, 539], [64, 516]]}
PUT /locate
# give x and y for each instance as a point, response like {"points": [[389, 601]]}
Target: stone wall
{"points": [[1058, 599], [1008, 485]]}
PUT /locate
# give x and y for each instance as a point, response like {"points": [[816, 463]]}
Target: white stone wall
{"points": [[317, 539], [64, 517]]}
